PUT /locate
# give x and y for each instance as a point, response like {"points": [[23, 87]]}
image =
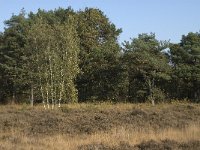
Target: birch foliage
{"points": [[55, 58]]}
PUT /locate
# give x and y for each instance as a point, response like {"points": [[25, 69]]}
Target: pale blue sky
{"points": [[169, 19]]}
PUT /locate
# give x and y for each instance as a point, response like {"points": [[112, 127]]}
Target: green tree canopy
{"points": [[12, 55], [185, 58], [146, 65], [99, 55]]}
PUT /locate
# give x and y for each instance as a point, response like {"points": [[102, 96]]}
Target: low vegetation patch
{"points": [[101, 126]]}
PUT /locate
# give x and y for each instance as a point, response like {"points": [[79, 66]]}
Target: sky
{"points": [[168, 19]]}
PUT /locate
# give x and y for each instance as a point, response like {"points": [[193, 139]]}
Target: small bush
{"points": [[157, 95]]}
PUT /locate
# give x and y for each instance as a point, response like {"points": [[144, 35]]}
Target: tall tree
{"points": [[99, 55], [146, 65], [185, 58], [55, 58], [12, 56], [2, 81]]}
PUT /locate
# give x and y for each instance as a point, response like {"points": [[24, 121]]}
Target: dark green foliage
{"points": [[47, 49], [146, 65], [185, 58], [12, 56], [99, 56]]}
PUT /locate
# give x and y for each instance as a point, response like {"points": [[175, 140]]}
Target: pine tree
{"points": [[185, 58], [12, 56], [146, 64]]}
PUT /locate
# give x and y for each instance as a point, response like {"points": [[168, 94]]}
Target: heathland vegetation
{"points": [[102, 126]]}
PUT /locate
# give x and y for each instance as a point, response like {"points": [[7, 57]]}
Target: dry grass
{"points": [[14, 140], [99, 106], [132, 137]]}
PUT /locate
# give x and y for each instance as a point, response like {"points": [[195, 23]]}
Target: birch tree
{"points": [[55, 58]]}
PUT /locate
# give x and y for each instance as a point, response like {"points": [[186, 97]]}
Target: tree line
{"points": [[62, 55]]}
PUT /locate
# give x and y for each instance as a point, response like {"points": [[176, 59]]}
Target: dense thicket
{"points": [[66, 56]]}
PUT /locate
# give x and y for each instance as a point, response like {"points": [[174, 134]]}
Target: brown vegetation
{"points": [[101, 126]]}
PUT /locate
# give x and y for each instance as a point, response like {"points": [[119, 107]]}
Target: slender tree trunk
{"points": [[13, 98], [150, 86], [152, 101], [129, 87], [51, 84], [40, 79], [59, 102], [32, 96], [55, 96], [61, 92], [196, 93], [47, 96], [42, 92], [43, 99]]}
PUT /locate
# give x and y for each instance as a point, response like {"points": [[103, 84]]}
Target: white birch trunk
{"points": [[47, 96]]}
